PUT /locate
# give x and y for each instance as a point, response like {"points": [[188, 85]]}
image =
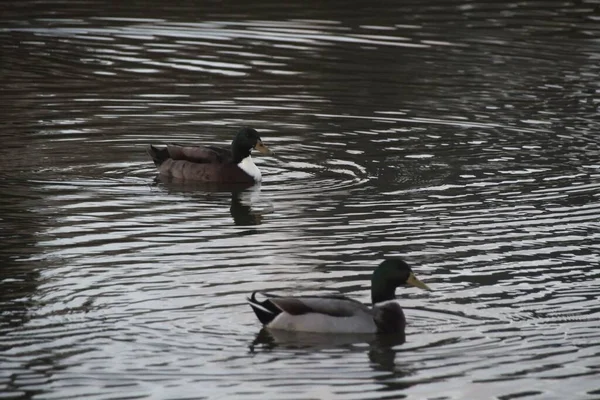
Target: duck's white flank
{"points": [[250, 168], [362, 322]]}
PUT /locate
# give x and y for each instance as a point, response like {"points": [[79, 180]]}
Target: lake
{"points": [[462, 137]]}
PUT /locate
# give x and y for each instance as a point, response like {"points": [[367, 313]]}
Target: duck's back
{"points": [[199, 154]]}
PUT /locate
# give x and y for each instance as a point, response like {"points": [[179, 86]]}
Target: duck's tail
{"points": [[158, 155], [265, 310]]}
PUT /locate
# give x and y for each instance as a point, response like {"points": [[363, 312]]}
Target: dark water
{"points": [[461, 136]]}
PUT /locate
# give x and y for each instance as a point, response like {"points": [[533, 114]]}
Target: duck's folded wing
{"points": [[335, 306], [199, 154]]}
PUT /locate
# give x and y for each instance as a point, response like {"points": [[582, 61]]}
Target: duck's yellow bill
{"points": [[262, 148], [412, 280]]}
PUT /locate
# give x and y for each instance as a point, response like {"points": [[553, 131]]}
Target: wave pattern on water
{"points": [[463, 138]]}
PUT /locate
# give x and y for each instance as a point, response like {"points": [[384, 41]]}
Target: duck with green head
{"points": [[340, 314], [212, 163]]}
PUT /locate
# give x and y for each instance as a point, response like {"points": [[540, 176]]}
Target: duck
{"points": [[212, 163], [338, 313]]}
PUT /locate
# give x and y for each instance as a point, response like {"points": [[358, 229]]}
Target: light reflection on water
{"points": [[462, 138]]}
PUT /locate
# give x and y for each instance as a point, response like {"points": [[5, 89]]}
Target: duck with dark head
{"points": [[212, 163], [340, 314]]}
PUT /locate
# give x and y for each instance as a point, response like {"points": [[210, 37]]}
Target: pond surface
{"points": [[461, 136]]}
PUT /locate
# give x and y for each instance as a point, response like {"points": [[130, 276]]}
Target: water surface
{"points": [[460, 136]]}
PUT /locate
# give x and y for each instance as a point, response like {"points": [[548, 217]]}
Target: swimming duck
{"points": [[340, 314], [212, 163]]}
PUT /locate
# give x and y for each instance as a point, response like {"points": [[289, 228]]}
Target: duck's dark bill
{"points": [[262, 148], [413, 281]]}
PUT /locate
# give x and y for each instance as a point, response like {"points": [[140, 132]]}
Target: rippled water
{"points": [[463, 137]]}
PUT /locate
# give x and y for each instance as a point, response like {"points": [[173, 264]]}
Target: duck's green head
{"points": [[246, 140], [390, 274]]}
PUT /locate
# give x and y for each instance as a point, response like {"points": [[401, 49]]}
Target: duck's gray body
{"points": [[328, 314]]}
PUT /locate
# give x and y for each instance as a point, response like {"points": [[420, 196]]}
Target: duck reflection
{"points": [[381, 351], [242, 212], [243, 196]]}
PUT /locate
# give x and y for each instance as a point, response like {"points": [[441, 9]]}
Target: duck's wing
{"points": [[331, 305], [324, 314], [199, 154]]}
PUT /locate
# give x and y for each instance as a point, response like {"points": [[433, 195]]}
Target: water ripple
{"points": [[463, 138]]}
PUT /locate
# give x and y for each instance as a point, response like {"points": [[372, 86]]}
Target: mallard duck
{"points": [[340, 314], [212, 163]]}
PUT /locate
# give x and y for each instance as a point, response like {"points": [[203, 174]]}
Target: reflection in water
{"points": [[243, 196], [272, 338], [380, 347], [242, 212]]}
